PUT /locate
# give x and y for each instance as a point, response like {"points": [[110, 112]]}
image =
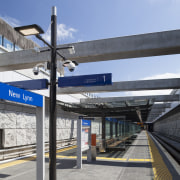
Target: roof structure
{"points": [[134, 108]]}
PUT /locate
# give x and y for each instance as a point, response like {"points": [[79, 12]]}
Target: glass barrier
{"points": [[108, 130], [17, 48], [1, 40], [114, 129], [8, 45], [125, 132]]}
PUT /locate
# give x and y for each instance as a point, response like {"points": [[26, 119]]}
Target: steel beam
{"points": [[22, 59], [143, 45], [161, 106], [156, 98], [158, 110], [139, 115], [125, 86]]}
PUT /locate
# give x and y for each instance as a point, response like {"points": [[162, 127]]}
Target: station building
{"points": [[18, 121]]}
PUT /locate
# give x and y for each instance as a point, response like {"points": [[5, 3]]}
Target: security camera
{"points": [[36, 70], [71, 65], [72, 50], [45, 66]]}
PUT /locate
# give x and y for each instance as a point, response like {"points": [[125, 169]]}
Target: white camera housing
{"points": [[71, 65], [45, 66], [36, 70]]}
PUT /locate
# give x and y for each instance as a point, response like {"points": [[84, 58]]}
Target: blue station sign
{"points": [[35, 84], [111, 119], [11, 93], [86, 122], [85, 80]]}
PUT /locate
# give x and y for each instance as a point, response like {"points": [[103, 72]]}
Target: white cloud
{"points": [[163, 76], [148, 93], [63, 33], [11, 21], [155, 92]]}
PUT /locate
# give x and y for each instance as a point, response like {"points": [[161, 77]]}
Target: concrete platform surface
{"points": [[136, 164]]}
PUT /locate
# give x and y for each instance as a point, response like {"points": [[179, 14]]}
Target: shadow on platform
{"points": [[4, 175], [70, 164]]}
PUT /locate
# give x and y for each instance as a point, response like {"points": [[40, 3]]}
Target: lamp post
{"points": [[36, 30], [52, 107]]}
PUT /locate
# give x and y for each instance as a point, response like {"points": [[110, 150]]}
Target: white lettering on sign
{"points": [[27, 98], [13, 94]]}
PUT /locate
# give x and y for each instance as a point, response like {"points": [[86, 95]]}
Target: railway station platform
{"points": [[144, 159]]}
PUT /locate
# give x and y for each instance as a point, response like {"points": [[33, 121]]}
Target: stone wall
{"points": [[169, 125], [18, 123]]}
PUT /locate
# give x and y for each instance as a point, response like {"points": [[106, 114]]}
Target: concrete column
{"points": [[79, 144], [103, 128], [40, 119], [111, 129], [116, 128], [89, 151]]}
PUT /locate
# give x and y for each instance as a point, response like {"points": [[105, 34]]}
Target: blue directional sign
{"points": [[85, 80], [86, 118], [19, 95], [108, 119], [86, 122], [111, 119], [35, 84]]}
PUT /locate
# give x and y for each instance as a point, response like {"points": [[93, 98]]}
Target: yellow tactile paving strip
{"points": [[66, 149], [140, 160], [160, 169], [16, 162], [20, 161], [85, 157]]}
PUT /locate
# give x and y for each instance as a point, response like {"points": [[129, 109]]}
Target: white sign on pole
{"points": [[83, 139]]}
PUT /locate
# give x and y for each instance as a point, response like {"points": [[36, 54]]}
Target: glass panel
{"points": [[1, 40], [8, 45], [17, 48], [114, 129], [121, 129], [118, 130], [107, 129], [119, 104], [137, 103]]}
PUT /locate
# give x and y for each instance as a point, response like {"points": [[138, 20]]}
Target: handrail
{"points": [[30, 149]]}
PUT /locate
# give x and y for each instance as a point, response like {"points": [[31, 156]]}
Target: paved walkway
{"points": [[136, 164]]}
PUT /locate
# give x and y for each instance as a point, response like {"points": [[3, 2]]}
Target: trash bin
{"points": [[93, 147]]}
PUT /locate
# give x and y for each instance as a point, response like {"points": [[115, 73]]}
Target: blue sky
{"points": [[85, 20]]}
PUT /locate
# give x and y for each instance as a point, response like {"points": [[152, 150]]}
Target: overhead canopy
{"points": [[155, 98], [139, 85], [143, 45], [135, 110]]}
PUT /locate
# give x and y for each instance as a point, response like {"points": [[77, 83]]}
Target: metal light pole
{"points": [[34, 29], [52, 112]]}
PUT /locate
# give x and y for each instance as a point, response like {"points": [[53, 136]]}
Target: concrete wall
{"points": [[169, 125], [19, 124]]}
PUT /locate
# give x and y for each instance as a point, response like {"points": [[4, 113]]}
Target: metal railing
{"points": [[31, 149]]}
